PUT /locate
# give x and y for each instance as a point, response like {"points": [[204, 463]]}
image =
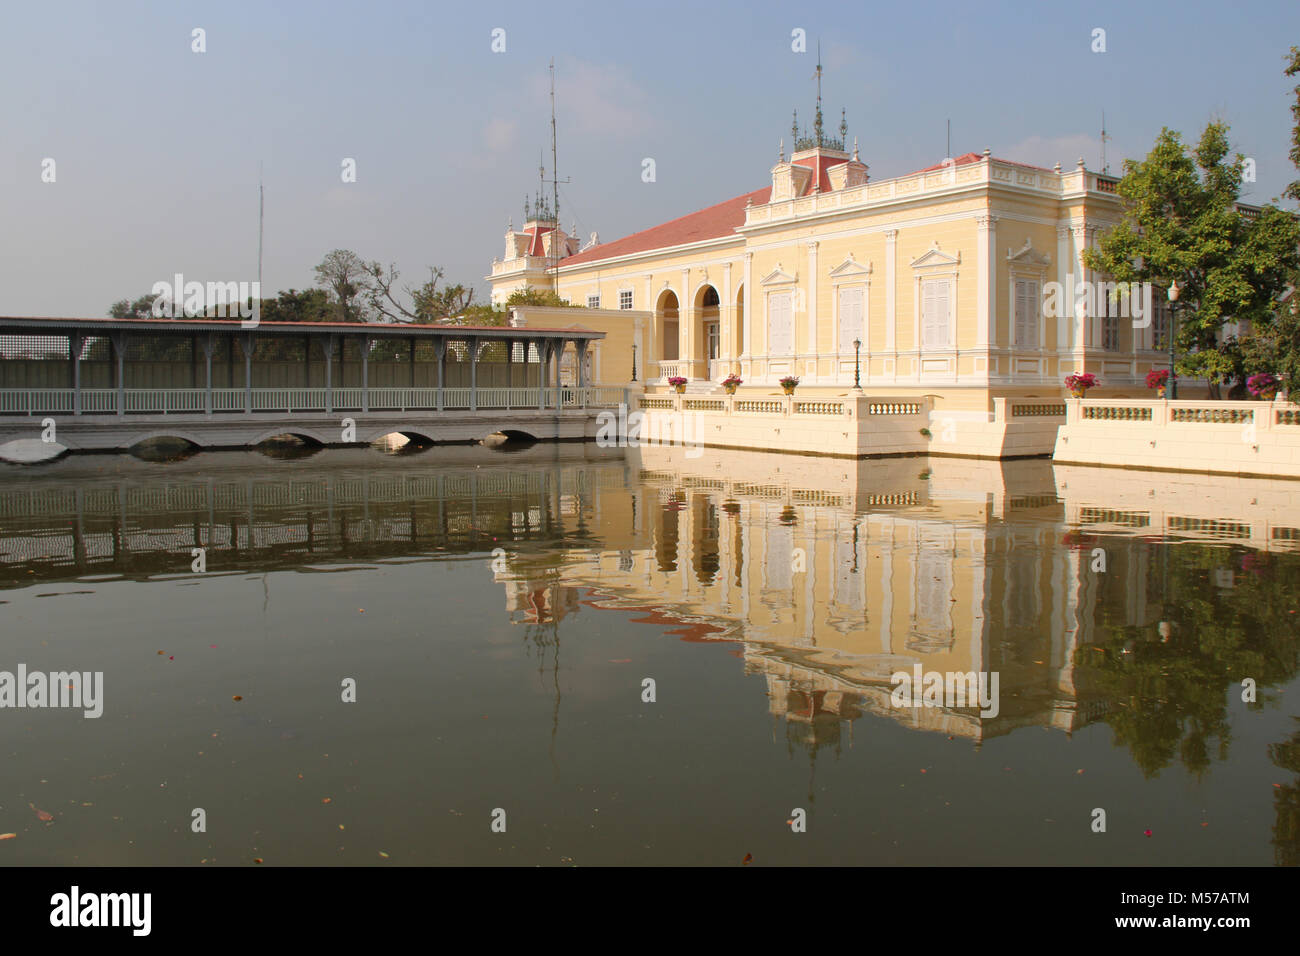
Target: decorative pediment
{"points": [[1027, 255], [936, 257], [777, 276], [850, 268]]}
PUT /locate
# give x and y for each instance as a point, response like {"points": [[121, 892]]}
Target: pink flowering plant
{"points": [[1262, 385], [676, 381]]}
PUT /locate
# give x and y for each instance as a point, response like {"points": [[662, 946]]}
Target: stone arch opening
{"points": [[666, 331], [706, 333]]}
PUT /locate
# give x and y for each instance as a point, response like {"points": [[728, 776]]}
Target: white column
{"points": [[812, 302], [891, 282], [986, 333], [727, 314], [686, 325], [1064, 268], [649, 356], [1088, 333]]}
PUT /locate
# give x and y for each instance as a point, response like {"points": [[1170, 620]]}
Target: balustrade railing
{"points": [[166, 401]]}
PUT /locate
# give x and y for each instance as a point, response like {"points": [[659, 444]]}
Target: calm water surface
{"points": [[499, 613]]}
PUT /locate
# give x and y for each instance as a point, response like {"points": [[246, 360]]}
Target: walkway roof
{"points": [[56, 326]]}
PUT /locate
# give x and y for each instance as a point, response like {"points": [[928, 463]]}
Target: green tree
{"points": [[343, 273], [1273, 345], [1181, 223], [309, 305], [530, 296], [141, 308]]}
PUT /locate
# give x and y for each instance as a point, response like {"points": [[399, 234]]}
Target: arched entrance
{"points": [[666, 335], [707, 337]]}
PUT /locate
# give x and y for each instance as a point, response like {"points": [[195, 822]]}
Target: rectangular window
{"points": [[1027, 313], [625, 299], [850, 305], [593, 301], [936, 314], [780, 324]]}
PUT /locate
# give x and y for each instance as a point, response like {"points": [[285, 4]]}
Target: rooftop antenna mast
{"points": [[261, 209], [555, 189], [1105, 167]]}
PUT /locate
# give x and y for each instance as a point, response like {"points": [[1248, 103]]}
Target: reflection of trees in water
{"points": [[1165, 688], [1286, 802]]}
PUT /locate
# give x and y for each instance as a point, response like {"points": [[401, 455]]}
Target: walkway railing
{"points": [[191, 401]]}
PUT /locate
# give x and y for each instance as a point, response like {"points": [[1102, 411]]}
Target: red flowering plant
{"points": [[1158, 378], [1078, 384], [678, 382]]}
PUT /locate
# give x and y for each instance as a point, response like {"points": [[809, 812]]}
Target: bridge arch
{"points": [[306, 434], [162, 431]]}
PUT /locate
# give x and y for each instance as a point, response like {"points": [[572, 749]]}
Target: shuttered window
{"points": [[1027, 300], [850, 305], [780, 324], [936, 314]]}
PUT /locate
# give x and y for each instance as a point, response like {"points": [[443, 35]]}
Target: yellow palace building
{"points": [[935, 282]]}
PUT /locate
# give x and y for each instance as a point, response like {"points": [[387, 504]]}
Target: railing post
{"points": [[543, 361]]}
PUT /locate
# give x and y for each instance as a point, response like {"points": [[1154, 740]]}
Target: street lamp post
{"points": [[1173, 313], [634, 361], [857, 367]]}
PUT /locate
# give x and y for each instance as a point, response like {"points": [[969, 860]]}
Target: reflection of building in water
{"points": [[836, 575], [538, 601]]}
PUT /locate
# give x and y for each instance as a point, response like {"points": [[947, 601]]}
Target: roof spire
{"points": [[780, 151], [817, 123], [794, 127], [844, 126], [855, 150]]}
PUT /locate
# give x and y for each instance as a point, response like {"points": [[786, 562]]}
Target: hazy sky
{"points": [[156, 147]]}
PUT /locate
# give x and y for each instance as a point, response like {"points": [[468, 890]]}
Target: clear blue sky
{"points": [[157, 148]]}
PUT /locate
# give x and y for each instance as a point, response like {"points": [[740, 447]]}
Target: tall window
{"points": [[593, 301], [1110, 332], [625, 299], [936, 313], [850, 305], [1160, 324], [1027, 311], [780, 324]]}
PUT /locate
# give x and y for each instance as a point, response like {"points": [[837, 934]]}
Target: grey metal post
{"points": [[440, 357], [473, 375], [209, 342], [119, 349], [246, 345], [75, 343], [365, 373], [543, 357]]}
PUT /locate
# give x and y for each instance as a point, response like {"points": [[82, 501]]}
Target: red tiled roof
{"points": [[821, 180], [722, 219], [965, 159], [710, 223]]}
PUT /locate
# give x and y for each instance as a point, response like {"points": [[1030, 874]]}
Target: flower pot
{"points": [[1160, 392], [731, 389], [789, 389], [1267, 396], [681, 389], [1078, 392]]}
